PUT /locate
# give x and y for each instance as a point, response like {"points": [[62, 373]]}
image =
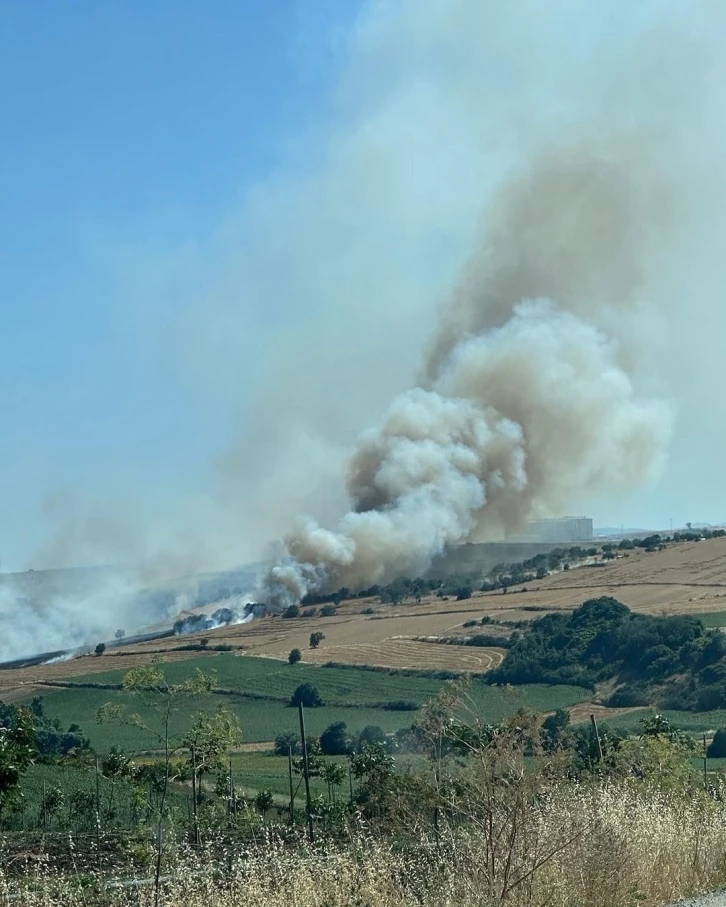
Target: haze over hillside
{"points": [[474, 294]]}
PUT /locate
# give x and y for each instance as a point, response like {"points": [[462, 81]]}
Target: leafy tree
{"points": [[370, 734], [119, 634], [717, 747], [334, 740], [210, 737], [554, 729], [291, 611], [673, 662], [333, 774], [659, 726], [52, 803], [264, 801], [328, 611], [286, 742], [53, 743], [295, 656], [17, 751], [373, 768], [316, 639], [308, 695], [100, 648]]}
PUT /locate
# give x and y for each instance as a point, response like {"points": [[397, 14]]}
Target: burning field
{"points": [[686, 578]]}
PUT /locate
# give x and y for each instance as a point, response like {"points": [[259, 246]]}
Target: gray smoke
{"points": [[528, 402], [574, 152]]}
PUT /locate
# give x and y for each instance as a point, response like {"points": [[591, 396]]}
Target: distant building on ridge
{"points": [[564, 529]]}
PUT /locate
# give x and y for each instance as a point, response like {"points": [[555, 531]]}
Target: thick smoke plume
{"points": [[572, 153], [528, 402]]}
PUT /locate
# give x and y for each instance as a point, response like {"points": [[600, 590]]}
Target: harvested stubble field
{"points": [[409, 653], [688, 577]]}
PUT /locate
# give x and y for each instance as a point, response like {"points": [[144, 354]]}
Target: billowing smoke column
{"points": [[529, 398]]}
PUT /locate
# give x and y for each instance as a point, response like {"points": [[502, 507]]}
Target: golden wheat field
{"points": [[687, 577]]}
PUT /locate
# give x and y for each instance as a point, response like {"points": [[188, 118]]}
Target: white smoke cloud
{"points": [[539, 389], [520, 420], [574, 147]]}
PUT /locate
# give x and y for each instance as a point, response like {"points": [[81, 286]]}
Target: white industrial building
{"points": [[563, 529]]}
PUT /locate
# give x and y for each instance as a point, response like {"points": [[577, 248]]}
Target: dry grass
{"points": [[578, 847]]}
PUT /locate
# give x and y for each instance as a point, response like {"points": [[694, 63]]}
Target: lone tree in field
{"points": [[119, 634], [295, 656], [308, 696], [100, 648], [316, 639]]}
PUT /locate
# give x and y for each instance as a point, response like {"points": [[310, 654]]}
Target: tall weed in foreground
{"points": [[592, 845]]}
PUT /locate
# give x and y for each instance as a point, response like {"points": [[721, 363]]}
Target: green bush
{"points": [[717, 747], [307, 695], [334, 740]]}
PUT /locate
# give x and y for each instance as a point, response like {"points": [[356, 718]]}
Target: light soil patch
{"points": [[581, 712]]}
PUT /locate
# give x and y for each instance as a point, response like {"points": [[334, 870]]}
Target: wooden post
{"points": [[306, 774], [597, 737], [292, 792], [98, 813], [44, 811], [194, 796], [705, 764], [230, 801]]}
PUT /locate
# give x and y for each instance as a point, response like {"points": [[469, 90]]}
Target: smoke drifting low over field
{"points": [[527, 404]]}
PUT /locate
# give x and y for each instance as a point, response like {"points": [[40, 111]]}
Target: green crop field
{"points": [[355, 695], [693, 722], [270, 677], [711, 618]]}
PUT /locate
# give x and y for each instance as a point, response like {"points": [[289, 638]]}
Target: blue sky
{"points": [[126, 123], [208, 210]]}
